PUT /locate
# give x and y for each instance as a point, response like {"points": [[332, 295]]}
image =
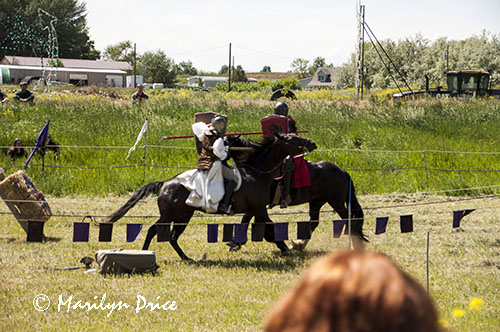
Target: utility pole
{"points": [[362, 9], [360, 61], [229, 70], [135, 69], [447, 57]]}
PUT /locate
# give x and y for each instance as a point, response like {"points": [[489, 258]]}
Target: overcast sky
{"points": [[273, 33]]}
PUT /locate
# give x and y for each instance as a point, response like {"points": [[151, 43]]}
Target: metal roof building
{"points": [[73, 71]]}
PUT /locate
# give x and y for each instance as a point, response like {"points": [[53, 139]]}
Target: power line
{"points": [[264, 53]]}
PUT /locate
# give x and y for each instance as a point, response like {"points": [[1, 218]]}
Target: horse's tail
{"points": [[141, 193], [356, 211]]}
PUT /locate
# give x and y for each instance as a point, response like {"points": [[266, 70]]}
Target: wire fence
{"points": [[346, 158]]}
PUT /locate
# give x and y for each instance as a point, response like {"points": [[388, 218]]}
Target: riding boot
{"points": [[225, 204], [285, 189]]}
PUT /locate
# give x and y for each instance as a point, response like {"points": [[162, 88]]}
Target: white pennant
{"points": [[139, 137]]}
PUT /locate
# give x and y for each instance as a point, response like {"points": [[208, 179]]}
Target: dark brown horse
{"points": [[258, 168], [329, 184]]}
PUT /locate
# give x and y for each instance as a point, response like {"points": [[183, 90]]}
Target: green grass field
{"points": [[235, 291]]}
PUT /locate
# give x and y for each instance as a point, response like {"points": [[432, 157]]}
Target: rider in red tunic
{"points": [[300, 176]]}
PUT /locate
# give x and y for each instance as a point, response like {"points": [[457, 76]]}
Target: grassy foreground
{"points": [[235, 291]]}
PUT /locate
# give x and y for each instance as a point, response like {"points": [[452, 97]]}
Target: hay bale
{"points": [[30, 202]]}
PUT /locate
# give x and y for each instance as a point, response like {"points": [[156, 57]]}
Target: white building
{"points": [[206, 81]]}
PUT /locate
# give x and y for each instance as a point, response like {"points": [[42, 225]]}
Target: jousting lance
{"points": [[228, 134]]}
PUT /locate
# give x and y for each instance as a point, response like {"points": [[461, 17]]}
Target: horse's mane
{"points": [[248, 157]]}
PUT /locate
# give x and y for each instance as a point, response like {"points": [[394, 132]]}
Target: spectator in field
{"points": [[50, 145], [17, 150], [354, 291], [139, 95], [3, 97], [24, 95]]}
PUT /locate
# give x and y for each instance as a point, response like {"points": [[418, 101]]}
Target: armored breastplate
{"points": [[207, 156]]}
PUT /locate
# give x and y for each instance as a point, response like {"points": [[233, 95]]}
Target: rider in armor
{"points": [[213, 149], [291, 164]]}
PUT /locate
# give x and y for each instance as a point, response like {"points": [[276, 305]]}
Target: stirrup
{"points": [[226, 209]]}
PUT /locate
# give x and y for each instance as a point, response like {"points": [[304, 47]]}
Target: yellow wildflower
{"points": [[458, 313], [443, 323], [476, 304]]}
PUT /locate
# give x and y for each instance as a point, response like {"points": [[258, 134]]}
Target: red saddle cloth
{"points": [[301, 177]]}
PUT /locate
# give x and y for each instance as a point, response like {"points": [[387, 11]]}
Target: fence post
{"points": [[333, 155], [144, 160], [426, 171], [427, 262]]}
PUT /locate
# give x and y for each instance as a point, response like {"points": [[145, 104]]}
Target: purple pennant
{"points": [[458, 215], [258, 231], [35, 231], [304, 230], [81, 231], [133, 231], [381, 225], [212, 231], [281, 231], [105, 232], [240, 233], [163, 232], [338, 226], [406, 223], [228, 233]]}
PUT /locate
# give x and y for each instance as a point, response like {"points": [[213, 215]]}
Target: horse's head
{"points": [[295, 144]]}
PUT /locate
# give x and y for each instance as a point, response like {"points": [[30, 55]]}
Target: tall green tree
{"points": [[123, 51], [186, 68], [266, 69], [223, 70], [156, 67], [300, 66], [71, 27], [239, 75]]}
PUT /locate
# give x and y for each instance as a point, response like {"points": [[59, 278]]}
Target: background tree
{"points": [[223, 70], [239, 75], [123, 51], [71, 27], [317, 63], [186, 68], [300, 66], [156, 67], [266, 69]]}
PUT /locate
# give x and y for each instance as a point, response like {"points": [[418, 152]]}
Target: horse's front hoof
{"points": [[299, 245]]}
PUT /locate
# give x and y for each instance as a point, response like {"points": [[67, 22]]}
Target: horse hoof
{"points": [[234, 247], [299, 245], [285, 253]]}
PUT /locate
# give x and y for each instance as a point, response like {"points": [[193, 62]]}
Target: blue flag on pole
{"points": [[40, 141]]}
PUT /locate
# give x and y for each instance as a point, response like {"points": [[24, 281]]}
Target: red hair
{"points": [[354, 291]]}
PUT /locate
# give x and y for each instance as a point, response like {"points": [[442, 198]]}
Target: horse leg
{"points": [[314, 208], [176, 232], [235, 246], [152, 231]]}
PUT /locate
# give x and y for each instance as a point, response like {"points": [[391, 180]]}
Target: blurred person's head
{"points": [[354, 291]]}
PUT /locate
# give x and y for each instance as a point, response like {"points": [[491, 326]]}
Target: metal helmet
{"points": [[281, 108], [219, 124]]}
